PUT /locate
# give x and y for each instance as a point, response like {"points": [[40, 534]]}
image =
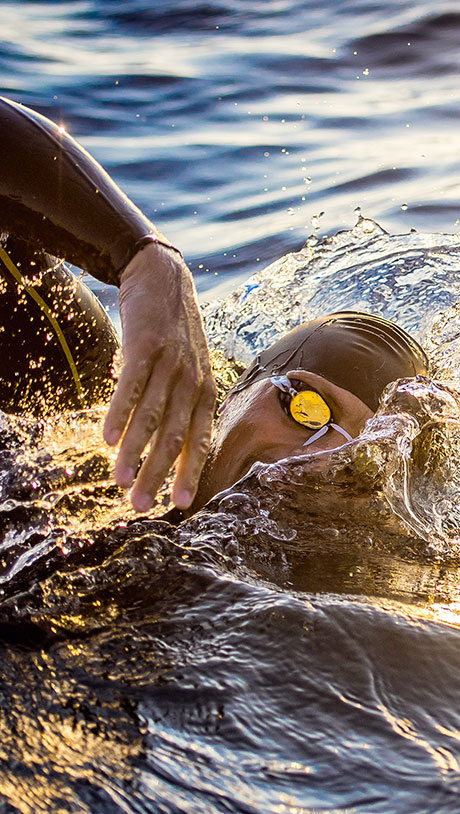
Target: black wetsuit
{"points": [[56, 342]]}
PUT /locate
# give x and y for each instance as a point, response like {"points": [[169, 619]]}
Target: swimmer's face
{"points": [[253, 426]]}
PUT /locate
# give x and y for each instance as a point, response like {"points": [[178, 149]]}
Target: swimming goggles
{"points": [[306, 407]]}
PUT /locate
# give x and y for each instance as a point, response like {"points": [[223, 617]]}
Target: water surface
{"points": [[294, 647]]}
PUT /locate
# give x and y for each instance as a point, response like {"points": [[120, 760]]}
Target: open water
{"points": [[295, 647]]}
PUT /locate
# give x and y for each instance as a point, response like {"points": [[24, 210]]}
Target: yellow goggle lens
{"points": [[309, 409]]}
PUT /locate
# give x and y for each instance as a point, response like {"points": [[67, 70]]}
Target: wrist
{"points": [[156, 258], [145, 244], [153, 237]]}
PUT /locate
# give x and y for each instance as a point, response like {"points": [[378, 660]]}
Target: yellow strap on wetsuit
{"points": [[4, 256]]}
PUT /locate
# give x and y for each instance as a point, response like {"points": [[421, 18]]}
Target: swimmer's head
{"points": [[360, 352], [346, 358]]}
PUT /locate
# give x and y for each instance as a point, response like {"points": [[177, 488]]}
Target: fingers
{"points": [[165, 390], [145, 419], [179, 429], [195, 450], [131, 384]]}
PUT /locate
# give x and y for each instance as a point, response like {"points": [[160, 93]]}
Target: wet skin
{"points": [[252, 426]]}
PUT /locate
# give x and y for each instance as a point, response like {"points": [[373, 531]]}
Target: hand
{"points": [[166, 393]]}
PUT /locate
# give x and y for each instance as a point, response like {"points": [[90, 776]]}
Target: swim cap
{"points": [[357, 351]]}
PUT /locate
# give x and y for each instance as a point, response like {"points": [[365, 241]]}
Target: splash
{"points": [[422, 479], [407, 459], [393, 487], [411, 279], [409, 452], [55, 484]]}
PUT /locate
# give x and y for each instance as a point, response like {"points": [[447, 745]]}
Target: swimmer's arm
{"points": [[59, 199], [54, 194]]}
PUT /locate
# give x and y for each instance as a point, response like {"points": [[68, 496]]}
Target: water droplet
{"points": [[315, 220]]}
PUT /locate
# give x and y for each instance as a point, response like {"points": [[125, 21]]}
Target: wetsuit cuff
{"points": [[140, 244], [153, 238]]}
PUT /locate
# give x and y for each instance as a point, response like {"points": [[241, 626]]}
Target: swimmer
{"points": [[55, 198], [312, 390]]}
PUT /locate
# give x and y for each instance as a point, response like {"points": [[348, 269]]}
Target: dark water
{"points": [[295, 647]]}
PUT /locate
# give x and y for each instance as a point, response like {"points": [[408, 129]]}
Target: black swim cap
{"points": [[360, 352]]}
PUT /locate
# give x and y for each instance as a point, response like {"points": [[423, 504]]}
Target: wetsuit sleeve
{"points": [[55, 196]]}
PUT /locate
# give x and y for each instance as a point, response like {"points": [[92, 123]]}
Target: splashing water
{"points": [[55, 484], [281, 637], [56, 474], [422, 484], [408, 454], [411, 279]]}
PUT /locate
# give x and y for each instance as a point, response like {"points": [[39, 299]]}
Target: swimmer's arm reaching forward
{"points": [[59, 199]]}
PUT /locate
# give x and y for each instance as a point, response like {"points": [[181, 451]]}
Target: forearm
{"points": [[57, 197]]}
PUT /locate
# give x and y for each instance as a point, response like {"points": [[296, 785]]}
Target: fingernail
{"points": [[113, 437], [124, 476], [141, 503], [183, 498]]}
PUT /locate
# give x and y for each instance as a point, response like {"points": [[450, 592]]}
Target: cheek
{"points": [[230, 437]]}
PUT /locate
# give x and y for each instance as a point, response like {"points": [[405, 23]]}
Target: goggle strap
{"points": [[317, 434], [342, 431], [283, 384], [323, 431]]}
